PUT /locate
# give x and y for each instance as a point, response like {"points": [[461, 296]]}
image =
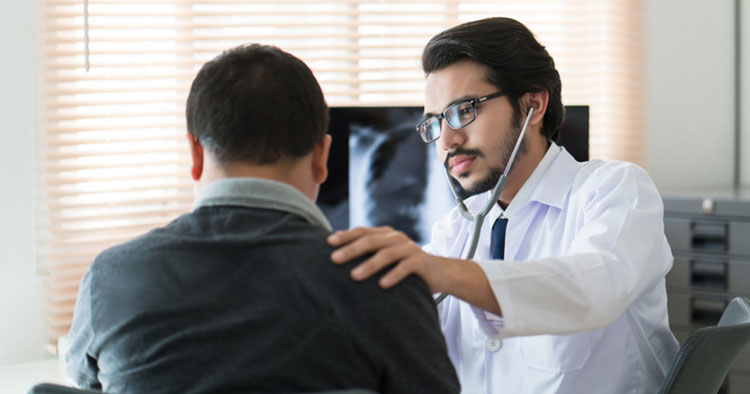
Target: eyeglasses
{"points": [[458, 115]]}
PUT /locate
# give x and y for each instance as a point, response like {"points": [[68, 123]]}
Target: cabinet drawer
{"points": [[708, 235], [691, 311], [739, 238], [713, 273], [678, 233], [698, 234]]}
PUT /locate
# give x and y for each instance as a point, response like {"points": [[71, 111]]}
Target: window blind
{"points": [[114, 162]]}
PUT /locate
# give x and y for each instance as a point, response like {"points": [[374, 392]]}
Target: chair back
{"points": [[706, 356]]}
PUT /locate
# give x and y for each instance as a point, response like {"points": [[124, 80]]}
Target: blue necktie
{"points": [[498, 238]]}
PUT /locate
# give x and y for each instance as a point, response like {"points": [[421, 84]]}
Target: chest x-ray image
{"points": [[392, 177], [381, 173]]}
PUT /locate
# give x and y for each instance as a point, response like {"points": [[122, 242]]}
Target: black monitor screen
{"points": [[574, 133], [381, 173]]}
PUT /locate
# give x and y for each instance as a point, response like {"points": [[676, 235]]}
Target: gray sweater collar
{"points": [[260, 193]]}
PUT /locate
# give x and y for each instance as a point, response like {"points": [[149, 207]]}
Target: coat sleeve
{"points": [[618, 252]]}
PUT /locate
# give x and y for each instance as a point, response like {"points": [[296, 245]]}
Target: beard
{"points": [[504, 148]]}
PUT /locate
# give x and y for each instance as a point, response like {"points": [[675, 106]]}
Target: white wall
{"points": [[745, 100], [22, 327], [690, 96]]}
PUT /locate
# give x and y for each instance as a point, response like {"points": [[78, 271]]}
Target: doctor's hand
{"points": [[463, 279], [389, 248]]}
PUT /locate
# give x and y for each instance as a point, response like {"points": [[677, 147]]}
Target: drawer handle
{"points": [[709, 236], [709, 274]]}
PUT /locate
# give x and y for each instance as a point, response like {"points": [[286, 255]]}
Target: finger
{"points": [[368, 242], [399, 272], [343, 237], [384, 257]]}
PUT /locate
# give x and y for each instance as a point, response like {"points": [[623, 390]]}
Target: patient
{"points": [[239, 295]]}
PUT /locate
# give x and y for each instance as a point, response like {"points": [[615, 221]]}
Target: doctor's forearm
{"points": [[469, 283]]}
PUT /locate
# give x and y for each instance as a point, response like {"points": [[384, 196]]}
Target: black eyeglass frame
{"points": [[473, 101]]}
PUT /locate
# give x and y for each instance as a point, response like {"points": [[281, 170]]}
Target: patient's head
{"points": [[257, 107], [256, 103]]}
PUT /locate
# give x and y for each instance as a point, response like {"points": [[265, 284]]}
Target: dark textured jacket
{"points": [[240, 296]]}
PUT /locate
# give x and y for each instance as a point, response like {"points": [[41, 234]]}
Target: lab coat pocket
{"points": [[555, 353]]}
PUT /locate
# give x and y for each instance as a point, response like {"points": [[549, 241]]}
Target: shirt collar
{"points": [[524, 195], [547, 184], [260, 193], [556, 179]]}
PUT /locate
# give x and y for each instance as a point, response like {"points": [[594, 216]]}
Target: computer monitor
{"points": [[381, 173]]}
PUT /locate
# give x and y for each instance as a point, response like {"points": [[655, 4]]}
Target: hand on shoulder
{"points": [[388, 247]]}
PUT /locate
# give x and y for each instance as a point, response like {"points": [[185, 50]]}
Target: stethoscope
{"points": [[478, 218]]}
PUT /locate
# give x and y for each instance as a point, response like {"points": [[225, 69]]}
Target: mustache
{"points": [[461, 151]]}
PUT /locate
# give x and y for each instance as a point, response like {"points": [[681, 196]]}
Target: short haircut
{"points": [[515, 61], [256, 104]]}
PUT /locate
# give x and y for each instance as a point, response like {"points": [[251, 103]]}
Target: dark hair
{"points": [[515, 61], [257, 104]]}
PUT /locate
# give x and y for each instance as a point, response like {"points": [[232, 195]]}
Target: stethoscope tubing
{"points": [[478, 218]]}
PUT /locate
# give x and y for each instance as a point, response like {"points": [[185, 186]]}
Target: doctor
{"points": [[572, 299]]}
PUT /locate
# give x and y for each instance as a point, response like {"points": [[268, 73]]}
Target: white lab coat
{"points": [[581, 288]]}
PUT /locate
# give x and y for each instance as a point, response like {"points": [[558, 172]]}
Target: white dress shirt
{"points": [[581, 288]]}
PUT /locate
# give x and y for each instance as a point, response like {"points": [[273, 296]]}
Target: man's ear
{"points": [[196, 152], [320, 159], [538, 101]]}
